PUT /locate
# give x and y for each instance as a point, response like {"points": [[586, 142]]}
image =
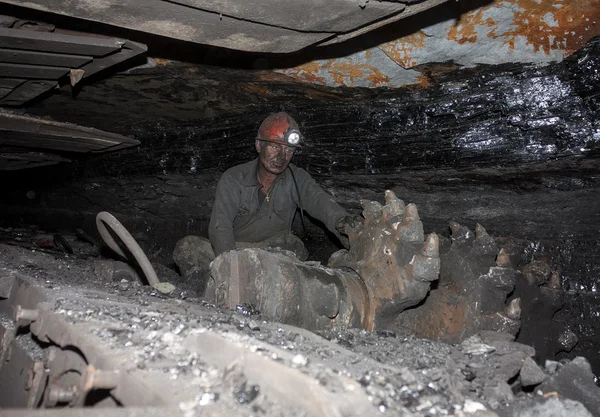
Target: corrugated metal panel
{"points": [[33, 62], [58, 43]]}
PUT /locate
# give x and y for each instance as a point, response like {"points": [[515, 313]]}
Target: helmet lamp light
{"points": [[292, 137]]}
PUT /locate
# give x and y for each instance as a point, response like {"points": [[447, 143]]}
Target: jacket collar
{"points": [[250, 178]]}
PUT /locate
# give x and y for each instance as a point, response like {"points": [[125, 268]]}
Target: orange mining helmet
{"points": [[280, 128]]}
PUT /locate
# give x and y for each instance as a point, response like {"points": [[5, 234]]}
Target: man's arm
{"points": [[225, 208], [318, 203]]}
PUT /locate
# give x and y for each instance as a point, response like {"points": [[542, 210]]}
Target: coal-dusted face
{"points": [[274, 157]]}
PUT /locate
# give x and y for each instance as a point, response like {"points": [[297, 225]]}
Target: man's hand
{"points": [[352, 222]]}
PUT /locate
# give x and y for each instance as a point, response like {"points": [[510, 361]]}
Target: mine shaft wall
{"points": [[513, 147]]}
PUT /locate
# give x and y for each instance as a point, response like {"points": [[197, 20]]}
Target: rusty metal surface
{"points": [[393, 258], [499, 32], [383, 282], [287, 290], [476, 278]]}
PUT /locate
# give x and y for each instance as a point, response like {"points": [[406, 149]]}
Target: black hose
{"points": [[105, 218]]}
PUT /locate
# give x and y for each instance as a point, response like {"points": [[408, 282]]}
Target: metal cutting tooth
{"points": [[554, 281], [371, 210], [394, 207], [431, 248], [480, 231], [411, 213], [426, 265], [390, 196], [393, 200], [503, 259], [459, 232], [513, 310], [411, 228]]}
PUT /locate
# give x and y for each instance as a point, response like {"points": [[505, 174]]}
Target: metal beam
{"points": [[30, 132], [32, 63], [129, 50], [15, 56], [58, 43], [31, 71], [28, 90], [11, 161]]}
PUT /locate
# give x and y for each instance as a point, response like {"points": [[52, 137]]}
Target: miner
{"points": [[255, 202]]}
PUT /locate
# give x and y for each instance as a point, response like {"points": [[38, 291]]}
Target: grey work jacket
{"points": [[237, 217]]}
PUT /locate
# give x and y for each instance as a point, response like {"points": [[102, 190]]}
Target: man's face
{"points": [[274, 157]]}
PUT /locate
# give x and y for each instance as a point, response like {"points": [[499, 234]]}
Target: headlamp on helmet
{"points": [[292, 137], [280, 128]]}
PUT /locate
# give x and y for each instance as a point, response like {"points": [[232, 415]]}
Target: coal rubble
{"points": [[194, 357]]}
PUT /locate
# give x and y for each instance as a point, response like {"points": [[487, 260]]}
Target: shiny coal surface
{"points": [[504, 116]]}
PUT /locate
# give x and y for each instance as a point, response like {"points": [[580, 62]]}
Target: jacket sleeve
{"points": [[225, 208], [318, 203]]}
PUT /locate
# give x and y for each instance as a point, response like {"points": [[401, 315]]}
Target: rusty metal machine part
{"points": [[388, 268], [290, 291], [383, 282], [476, 278], [393, 258]]}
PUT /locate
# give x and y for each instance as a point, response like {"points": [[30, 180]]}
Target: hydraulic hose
{"points": [[103, 219]]}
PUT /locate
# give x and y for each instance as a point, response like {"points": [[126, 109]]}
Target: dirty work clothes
{"points": [[193, 254], [237, 215]]}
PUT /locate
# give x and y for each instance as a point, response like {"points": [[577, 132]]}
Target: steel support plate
{"points": [[32, 62], [24, 133], [254, 26]]}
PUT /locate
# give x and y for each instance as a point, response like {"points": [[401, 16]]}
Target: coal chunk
{"points": [[575, 380], [531, 374]]}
